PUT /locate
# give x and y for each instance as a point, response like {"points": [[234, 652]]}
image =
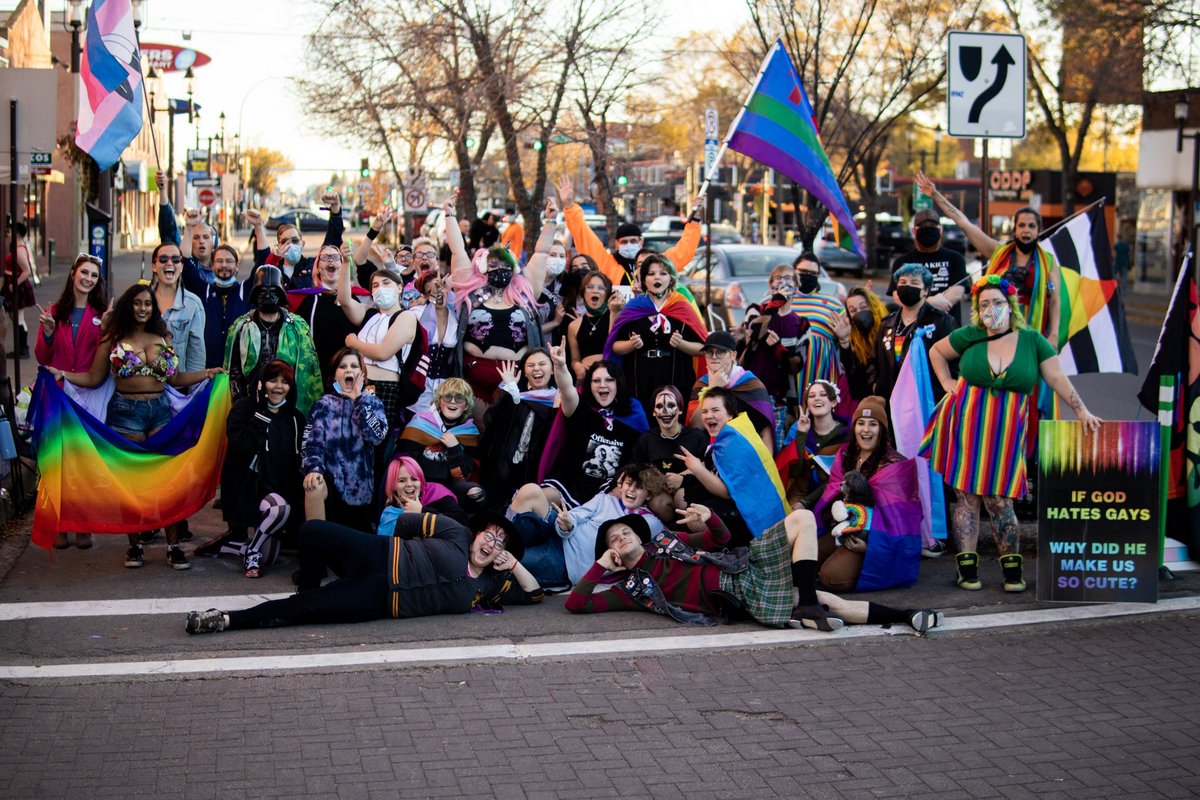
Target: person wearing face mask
{"points": [[949, 268], [496, 303], [896, 330], [260, 478], [552, 310], [772, 334], [822, 313], [1025, 264], [856, 332], [224, 297], [388, 336], [267, 332], [977, 436], [288, 254], [620, 266]]}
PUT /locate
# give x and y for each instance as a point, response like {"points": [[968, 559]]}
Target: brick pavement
{"points": [[1082, 711]]}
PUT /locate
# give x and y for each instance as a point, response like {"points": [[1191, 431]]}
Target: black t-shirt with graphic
{"points": [[948, 268]]}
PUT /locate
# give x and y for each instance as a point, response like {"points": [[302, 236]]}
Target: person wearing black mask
{"points": [[1023, 262], [949, 268], [267, 332], [896, 331]]}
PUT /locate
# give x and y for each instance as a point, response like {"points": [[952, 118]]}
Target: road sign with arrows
{"points": [[985, 76]]}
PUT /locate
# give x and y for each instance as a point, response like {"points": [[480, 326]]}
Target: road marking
{"points": [[598, 648], [122, 608]]}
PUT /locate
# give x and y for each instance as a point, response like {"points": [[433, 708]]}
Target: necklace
{"points": [[670, 436], [593, 320]]}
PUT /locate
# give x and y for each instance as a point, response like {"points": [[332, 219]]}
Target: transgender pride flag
{"points": [[776, 128], [110, 105]]}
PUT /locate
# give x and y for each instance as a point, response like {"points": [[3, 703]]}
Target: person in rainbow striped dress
{"points": [[976, 438], [820, 347]]}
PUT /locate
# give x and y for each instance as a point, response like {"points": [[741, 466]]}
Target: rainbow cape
{"points": [[94, 480], [748, 470], [893, 555], [677, 309]]}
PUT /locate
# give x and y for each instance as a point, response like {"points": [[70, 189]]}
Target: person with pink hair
{"points": [[496, 302], [407, 491]]}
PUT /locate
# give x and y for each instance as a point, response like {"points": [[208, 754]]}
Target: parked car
{"points": [[597, 222], [834, 258], [305, 219], [739, 278], [660, 240]]}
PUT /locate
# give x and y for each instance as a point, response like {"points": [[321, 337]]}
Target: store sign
{"points": [[172, 57], [1010, 184]]}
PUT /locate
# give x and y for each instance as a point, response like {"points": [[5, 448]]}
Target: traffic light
{"points": [[364, 170], [537, 145], [622, 180], [469, 141]]}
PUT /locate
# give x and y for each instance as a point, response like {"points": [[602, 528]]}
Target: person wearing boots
{"points": [[269, 331], [976, 439]]}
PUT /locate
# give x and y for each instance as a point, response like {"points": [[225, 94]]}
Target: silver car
{"points": [[739, 279]]}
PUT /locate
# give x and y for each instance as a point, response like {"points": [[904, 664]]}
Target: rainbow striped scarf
{"points": [[1038, 312], [94, 480]]}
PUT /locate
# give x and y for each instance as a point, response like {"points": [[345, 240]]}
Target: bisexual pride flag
{"points": [[110, 101], [777, 126]]}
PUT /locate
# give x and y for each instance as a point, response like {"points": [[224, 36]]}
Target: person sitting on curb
{"points": [[687, 576]]}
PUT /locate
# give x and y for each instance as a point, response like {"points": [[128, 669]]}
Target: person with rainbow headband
{"points": [[976, 438]]}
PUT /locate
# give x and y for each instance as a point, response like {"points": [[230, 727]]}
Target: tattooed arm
{"points": [[1053, 374]]}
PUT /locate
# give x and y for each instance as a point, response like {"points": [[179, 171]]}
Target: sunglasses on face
{"points": [[454, 398], [426, 257], [330, 259], [91, 258], [170, 259]]}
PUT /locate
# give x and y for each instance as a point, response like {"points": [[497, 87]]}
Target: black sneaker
{"points": [[925, 619], [814, 617], [134, 556], [211, 621], [176, 558], [183, 533], [146, 537]]}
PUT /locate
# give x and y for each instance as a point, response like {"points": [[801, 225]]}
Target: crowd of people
{"points": [[462, 425]]}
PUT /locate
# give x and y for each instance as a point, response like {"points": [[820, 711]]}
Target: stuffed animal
{"points": [[853, 511]]}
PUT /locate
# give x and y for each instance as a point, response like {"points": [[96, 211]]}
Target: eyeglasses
{"points": [[170, 259], [425, 256], [330, 259], [454, 398], [494, 540]]}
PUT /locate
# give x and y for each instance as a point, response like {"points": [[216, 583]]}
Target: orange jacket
{"points": [[514, 238], [589, 244]]}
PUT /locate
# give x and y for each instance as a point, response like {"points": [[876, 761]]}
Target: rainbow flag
{"points": [[110, 103], [777, 126], [748, 470], [93, 480]]}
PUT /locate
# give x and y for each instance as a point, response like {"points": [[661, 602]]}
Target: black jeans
{"points": [[359, 594]]}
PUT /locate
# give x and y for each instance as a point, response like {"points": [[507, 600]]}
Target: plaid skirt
{"points": [[765, 587]]}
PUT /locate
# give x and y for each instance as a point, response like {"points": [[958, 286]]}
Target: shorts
{"points": [[131, 416], [544, 556]]}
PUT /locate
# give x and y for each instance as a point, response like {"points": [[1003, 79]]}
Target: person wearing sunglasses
{"points": [[181, 310], [430, 564], [443, 439]]}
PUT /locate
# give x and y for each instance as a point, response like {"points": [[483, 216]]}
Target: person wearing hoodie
{"points": [[621, 266]]}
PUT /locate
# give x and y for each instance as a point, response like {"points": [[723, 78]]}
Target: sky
{"points": [[257, 49]]}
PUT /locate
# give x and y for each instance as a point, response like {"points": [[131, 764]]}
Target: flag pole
{"points": [[1062, 222], [733, 125], [1166, 417]]}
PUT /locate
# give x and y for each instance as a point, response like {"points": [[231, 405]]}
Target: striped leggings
{"points": [[265, 542]]}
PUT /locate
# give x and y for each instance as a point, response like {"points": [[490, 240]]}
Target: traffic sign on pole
{"points": [[985, 79], [206, 196], [414, 200]]}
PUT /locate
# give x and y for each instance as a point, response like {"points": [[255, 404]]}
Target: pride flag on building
{"points": [[777, 127], [110, 99]]}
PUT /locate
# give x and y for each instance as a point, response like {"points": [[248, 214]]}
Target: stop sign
{"points": [[207, 197]]}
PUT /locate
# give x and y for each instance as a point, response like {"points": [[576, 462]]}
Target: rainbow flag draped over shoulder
{"points": [[748, 470], [777, 127], [427, 428], [110, 69], [94, 480], [677, 309]]}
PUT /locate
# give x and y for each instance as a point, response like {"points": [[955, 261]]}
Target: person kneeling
{"points": [[754, 580], [431, 565]]}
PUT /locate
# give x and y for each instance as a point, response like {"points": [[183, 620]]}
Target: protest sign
{"points": [[1098, 512]]}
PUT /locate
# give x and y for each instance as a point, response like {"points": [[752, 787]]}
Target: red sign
{"points": [[206, 197], [172, 57]]}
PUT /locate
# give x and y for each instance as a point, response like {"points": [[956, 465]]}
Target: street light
{"points": [[137, 13], [1181, 117]]}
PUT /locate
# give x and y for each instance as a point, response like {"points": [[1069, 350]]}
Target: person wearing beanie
{"points": [[891, 558], [691, 576], [620, 266]]}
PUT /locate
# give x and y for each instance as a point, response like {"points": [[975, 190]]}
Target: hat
{"points": [[635, 521], [720, 340], [628, 229], [513, 542], [873, 407], [404, 248], [267, 277], [926, 215]]}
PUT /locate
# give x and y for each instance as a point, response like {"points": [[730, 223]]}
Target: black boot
{"points": [[22, 343]]}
